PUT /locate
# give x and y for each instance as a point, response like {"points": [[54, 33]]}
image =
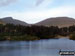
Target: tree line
{"points": [[19, 32]]}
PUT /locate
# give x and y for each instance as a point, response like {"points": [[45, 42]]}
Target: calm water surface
{"points": [[35, 48]]}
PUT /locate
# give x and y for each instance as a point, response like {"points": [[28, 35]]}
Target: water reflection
{"points": [[35, 48]]}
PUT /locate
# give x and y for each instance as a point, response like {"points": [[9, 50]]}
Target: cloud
{"points": [[39, 2], [39, 15], [44, 3], [6, 2]]}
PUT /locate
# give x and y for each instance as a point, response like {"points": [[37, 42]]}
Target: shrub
{"points": [[72, 36], [24, 38]]}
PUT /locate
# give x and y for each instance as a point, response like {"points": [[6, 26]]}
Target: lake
{"points": [[49, 47]]}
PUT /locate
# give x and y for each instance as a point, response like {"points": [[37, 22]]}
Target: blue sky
{"points": [[30, 12]]}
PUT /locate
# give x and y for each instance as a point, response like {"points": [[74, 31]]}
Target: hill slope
{"points": [[13, 21], [58, 21]]}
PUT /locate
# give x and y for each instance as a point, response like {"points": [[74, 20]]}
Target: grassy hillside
{"points": [[58, 21]]}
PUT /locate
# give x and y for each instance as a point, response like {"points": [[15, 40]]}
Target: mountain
{"points": [[1, 22], [13, 21], [58, 21]]}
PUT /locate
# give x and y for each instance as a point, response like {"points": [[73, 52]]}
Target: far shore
{"points": [[59, 36]]}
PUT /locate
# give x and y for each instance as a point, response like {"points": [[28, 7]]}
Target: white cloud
{"points": [[36, 16]]}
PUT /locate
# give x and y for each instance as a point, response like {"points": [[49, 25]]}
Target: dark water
{"points": [[36, 48]]}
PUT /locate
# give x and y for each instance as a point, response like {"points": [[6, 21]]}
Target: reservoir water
{"points": [[49, 47]]}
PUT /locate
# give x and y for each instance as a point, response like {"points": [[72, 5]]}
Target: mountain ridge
{"points": [[57, 21], [10, 20]]}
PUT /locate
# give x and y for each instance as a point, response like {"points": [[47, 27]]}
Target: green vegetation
{"points": [[2, 38], [27, 33], [72, 36], [23, 38]]}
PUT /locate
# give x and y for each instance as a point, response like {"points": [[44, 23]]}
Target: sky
{"points": [[33, 11]]}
